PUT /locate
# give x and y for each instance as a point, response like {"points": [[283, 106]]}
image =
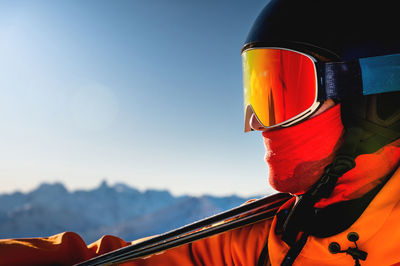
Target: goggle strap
{"points": [[380, 74], [365, 76], [342, 80]]}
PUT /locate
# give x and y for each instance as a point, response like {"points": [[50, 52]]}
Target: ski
{"points": [[246, 214]]}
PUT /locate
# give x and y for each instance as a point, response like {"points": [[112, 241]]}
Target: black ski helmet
{"points": [[339, 30]]}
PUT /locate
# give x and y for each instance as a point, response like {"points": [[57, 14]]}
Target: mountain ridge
{"points": [[116, 209]]}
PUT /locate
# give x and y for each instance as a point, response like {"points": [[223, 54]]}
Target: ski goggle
{"points": [[280, 86], [283, 87]]}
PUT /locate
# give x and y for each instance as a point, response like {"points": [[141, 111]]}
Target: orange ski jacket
{"points": [[378, 228]]}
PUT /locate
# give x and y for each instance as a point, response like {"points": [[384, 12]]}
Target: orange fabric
{"points": [[106, 244], [64, 249], [369, 172], [378, 228], [241, 246]]}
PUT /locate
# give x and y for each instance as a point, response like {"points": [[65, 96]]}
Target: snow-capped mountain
{"points": [[118, 210]]}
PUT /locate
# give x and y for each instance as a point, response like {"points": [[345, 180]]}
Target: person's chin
{"points": [[288, 186], [300, 179], [297, 183]]}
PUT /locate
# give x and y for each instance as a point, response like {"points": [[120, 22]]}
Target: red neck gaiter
{"points": [[297, 155]]}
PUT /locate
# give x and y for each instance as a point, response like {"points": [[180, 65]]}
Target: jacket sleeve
{"points": [[68, 248], [241, 246], [62, 249]]}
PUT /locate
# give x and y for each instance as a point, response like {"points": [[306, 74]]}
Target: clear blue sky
{"points": [[146, 92]]}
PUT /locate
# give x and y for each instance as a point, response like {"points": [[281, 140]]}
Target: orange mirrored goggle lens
{"points": [[278, 84]]}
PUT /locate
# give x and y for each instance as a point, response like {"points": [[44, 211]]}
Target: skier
{"points": [[322, 84]]}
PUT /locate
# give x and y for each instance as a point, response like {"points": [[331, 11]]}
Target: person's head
{"points": [[302, 57]]}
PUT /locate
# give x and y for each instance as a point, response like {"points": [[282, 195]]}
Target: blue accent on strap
{"points": [[380, 74]]}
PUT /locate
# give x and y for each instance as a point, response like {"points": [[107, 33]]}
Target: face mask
{"points": [[297, 155]]}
